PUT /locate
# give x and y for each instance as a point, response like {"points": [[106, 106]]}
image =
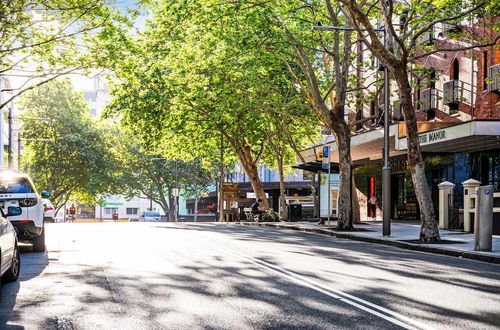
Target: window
{"points": [[15, 186], [456, 70], [418, 93], [132, 211], [485, 69], [372, 112], [359, 116], [110, 210]]}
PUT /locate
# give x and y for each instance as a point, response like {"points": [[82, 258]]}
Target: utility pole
{"points": [[176, 197], [11, 136], [221, 179], [19, 151]]}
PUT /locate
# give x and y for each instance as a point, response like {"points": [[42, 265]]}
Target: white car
{"points": [[17, 190], [10, 259], [49, 212]]}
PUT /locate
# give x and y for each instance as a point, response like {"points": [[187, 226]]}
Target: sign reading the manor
{"points": [[432, 136]]}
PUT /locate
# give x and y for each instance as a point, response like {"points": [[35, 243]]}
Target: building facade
{"points": [[457, 105]]}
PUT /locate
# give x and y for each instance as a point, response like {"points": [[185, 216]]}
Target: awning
{"points": [[475, 135], [111, 204], [365, 146], [315, 167], [471, 136]]}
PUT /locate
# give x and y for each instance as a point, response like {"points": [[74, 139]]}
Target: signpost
{"points": [[326, 165]]}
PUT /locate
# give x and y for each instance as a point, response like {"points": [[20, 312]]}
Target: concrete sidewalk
{"points": [[403, 235]]}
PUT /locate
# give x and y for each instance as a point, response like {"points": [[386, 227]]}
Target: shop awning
{"points": [[315, 167], [475, 135]]}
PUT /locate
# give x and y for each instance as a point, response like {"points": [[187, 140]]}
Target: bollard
{"points": [[483, 219], [445, 191]]}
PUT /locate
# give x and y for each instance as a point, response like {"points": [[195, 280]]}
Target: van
{"points": [[150, 216]]}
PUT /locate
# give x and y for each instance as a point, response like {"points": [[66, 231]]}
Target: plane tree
{"points": [[208, 73], [78, 161]]}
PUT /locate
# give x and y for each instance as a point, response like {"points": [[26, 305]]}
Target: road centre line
{"points": [[395, 318]]}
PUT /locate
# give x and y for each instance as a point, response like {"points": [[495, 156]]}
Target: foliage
{"points": [[199, 178], [223, 75], [41, 40], [77, 162], [146, 173], [270, 216]]}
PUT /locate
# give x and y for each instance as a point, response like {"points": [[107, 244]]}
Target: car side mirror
{"points": [[45, 194], [13, 211]]}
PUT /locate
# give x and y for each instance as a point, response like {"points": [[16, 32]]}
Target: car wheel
{"points": [[13, 273], [39, 242]]}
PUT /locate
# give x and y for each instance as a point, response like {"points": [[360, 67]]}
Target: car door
{"points": [[6, 245]]}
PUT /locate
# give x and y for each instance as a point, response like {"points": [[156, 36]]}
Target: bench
{"points": [[249, 215]]}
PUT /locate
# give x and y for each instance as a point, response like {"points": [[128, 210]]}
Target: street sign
{"points": [[326, 158], [325, 131]]}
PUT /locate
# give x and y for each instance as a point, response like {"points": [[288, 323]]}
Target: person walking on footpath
{"points": [[372, 204]]}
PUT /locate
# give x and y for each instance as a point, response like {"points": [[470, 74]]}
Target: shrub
{"points": [[270, 216]]}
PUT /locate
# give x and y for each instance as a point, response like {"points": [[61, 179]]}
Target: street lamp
{"points": [[386, 170]]}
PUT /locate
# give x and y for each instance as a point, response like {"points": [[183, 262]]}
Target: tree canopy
{"points": [[79, 159]]}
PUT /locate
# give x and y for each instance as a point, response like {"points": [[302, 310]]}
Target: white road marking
{"points": [[395, 318]]}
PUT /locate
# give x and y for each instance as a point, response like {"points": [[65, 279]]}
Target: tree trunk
{"points": [[284, 210], [196, 208], [171, 211], [343, 139], [250, 167], [356, 213], [429, 231]]}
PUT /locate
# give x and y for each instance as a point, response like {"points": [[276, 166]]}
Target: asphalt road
{"points": [[206, 276]]}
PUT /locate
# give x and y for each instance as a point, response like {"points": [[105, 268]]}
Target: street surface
{"points": [[216, 276]]}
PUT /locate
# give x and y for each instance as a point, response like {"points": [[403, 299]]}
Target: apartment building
{"points": [[457, 105]]}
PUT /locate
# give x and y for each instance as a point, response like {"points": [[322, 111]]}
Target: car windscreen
{"points": [[15, 186], [151, 214]]}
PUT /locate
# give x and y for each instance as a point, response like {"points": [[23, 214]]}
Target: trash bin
{"points": [[295, 212], [115, 216]]}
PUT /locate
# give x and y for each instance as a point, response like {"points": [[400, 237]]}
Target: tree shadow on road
{"points": [[407, 266], [32, 265]]}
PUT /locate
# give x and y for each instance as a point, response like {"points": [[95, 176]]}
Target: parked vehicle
{"points": [[48, 211], [150, 216], [10, 259], [17, 190]]}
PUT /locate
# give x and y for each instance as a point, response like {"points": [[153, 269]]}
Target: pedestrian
{"points": [[372, 206], [256, 209]]}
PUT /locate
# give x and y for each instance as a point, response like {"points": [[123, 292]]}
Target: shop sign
{"points": [[432, 136]]}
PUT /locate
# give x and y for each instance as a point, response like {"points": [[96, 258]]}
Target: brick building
{"points": [[457, 105]]}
